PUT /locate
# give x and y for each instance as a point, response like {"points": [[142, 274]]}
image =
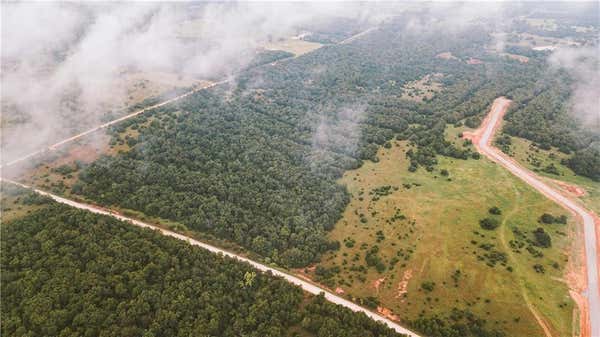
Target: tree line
{"points": [[68, 272]]}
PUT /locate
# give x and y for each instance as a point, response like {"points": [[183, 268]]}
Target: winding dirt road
{"points": [[305, 285], [482, 140]]}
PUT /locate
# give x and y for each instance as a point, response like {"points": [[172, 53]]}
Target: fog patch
{"points": [[62, 62], [339, 132], [583, 65]]}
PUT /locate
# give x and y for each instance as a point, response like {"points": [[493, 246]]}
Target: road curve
{"points": [[305, 285], [482, 141]]}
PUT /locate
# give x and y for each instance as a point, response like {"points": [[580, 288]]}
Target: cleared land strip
{"points": [[482, 140], [158, 105], [305, 285], [115, 121]]}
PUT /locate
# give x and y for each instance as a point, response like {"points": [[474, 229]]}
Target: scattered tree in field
{"points": [[550, 219], [489, 223], [428, 286], [495, 210], [542, 239], [539, 268]]}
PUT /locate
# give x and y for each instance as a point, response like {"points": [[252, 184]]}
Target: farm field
{"points": [[432, 255]]}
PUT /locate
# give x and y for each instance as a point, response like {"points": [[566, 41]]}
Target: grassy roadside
{"points": [[541, 161]]}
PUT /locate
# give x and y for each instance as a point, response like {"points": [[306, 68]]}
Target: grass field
{"points": [[294, 46], [534, 41], [432, 253], [14, 203]]}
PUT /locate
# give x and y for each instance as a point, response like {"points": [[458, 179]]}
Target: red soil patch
{"points": [[339, 291], [474, 136], [597, 230], [576, 279], [86, 153], [446, 56], [572, 190], [582, 304], [311, 269], [387, 313], [473, 60], [403, 285], [377, 283]]}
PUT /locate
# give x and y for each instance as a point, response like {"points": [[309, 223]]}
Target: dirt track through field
{"points": [[482, 140]]}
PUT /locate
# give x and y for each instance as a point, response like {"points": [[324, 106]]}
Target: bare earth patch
{"points": [[403, 285], [520, 58], [378, 283], [572, 190], [446, 56], [387, 313], [473, 60], [293, 45]]}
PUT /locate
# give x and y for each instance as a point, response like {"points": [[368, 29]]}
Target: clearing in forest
{"points": [[422, 89], [424, 234], [293, 45]]}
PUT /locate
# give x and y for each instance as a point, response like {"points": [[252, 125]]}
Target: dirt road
{"points": [[307, 286], [105, 125], [354, 37], [482, 140], [194, 90]]}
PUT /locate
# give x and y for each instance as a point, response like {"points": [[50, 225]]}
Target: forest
{"points": [[68, 272], [256, 161]]}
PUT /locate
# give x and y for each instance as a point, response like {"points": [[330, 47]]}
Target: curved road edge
{"points": [[305, 285], [482, 140]]}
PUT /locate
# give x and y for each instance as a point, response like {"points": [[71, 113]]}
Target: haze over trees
{"points": [[256, 162]]}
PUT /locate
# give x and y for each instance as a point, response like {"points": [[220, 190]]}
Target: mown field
{"points": [[433, 258]]}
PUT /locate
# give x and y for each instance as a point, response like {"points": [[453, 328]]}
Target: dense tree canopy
{"points": [[67, 272], [255, 161]]}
